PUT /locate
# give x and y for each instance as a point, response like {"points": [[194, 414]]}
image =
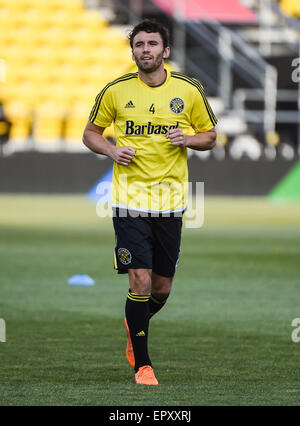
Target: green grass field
{"points": [[224, 338]]}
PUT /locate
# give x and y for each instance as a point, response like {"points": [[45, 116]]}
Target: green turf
{"points": [[224, 338]]}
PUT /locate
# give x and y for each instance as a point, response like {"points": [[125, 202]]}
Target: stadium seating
{"points": [[290, 7], [58, 56], [20, 117]]}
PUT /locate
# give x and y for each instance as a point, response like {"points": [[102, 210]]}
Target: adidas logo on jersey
{"points": [[130, 105]]}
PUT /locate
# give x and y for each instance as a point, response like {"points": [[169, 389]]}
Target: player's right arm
{"points": [[102, 115], [93, 138]]}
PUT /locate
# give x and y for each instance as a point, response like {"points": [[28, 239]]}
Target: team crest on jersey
{"points": [[124, 256], [177, 105]]}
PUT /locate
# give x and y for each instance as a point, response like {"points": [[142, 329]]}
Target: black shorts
{"points": [[147, 243]]}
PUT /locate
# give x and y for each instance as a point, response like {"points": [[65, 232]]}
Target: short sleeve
{"points": [[103, 111], [203, 118]]}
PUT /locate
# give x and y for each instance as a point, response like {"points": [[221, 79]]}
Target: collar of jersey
{"points": [[157, 87]]}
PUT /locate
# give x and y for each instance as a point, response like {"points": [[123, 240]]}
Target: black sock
{"points": [[155, 304], [137, 316]]}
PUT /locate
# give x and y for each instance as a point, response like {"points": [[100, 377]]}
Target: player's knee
{"points": [[161, 296], [161, 286], [140, 281]]}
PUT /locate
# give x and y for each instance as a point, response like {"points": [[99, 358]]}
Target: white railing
{"points": [[237, 56]]}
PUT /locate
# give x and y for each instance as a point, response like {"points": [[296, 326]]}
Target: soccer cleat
{"points": [[129, 348], [145, 376]]}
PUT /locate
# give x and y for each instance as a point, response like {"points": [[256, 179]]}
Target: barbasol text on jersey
{"points": [[147, 129]]}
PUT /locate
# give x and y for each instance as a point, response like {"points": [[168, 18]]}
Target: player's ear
{"points": [[166, 53]]}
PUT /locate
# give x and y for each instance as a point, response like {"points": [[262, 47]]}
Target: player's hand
{"points": [[176, 137], [123, 155]]}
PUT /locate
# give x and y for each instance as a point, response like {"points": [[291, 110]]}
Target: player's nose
{"points": [[147, 48]]}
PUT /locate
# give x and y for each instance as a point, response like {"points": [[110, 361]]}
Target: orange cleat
{"points": [[145, 376], [129, 348]]}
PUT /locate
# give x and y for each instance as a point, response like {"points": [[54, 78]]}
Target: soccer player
{"points": [[152, 111]]}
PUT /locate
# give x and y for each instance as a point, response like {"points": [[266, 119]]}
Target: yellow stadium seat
{"points": [[14, 5], [10, 52], [58, 55], [18, 56], [93, 19], [76, 121], [109, 132], [14, 75], [290, 7], [105, 53], [53, 5], [96, 74], [20, 115], [112, 57], [43, 6], [9, 21], [86, 92], [8, 92], [48, 122], [26, 38], [57, 92], [28, 92], [86, 37], [31, 93], [64, 19], [53, 38], [68, 74], [4, 4], [48, 55], [73, 55], [31, 16], [8, 36], [38, 73], [72, 5], [115, 38]]}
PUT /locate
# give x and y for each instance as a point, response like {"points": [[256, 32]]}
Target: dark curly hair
{"points": [[150, 26]]}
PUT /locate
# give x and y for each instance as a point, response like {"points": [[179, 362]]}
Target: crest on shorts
{"points": [[124, 256], [177, 105]]}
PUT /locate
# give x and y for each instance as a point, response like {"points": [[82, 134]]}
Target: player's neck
{"points": [[155, 78]]}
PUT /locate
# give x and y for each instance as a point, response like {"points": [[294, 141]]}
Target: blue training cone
{"points": [[81, 279]]}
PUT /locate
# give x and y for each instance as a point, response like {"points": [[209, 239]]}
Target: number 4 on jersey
{"points": [[152, 109]]}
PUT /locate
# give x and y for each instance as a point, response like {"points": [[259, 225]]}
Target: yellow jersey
{"points": [[156, 178]]}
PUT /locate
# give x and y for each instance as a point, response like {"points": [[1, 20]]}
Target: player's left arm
{"points": [[202, 141]]}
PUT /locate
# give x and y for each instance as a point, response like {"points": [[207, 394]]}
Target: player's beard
{"points": [[150, 66]]}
